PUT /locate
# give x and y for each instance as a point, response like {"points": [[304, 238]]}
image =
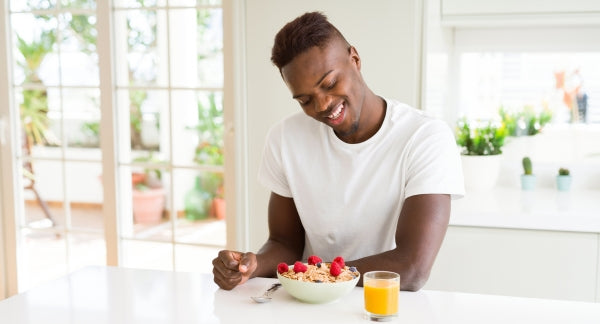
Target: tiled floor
{"points": [[44, 250]]}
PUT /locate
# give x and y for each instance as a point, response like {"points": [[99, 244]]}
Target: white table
{"points": [[118, 295]]}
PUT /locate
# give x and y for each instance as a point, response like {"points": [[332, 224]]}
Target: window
{"points": [[166, 59], [567, 84], [492, 71]]}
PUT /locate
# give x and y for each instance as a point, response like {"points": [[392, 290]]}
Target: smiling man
{"points": [[354, 175]]}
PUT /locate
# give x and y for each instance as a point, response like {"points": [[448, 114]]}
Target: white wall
{"points": [[387, 35]]}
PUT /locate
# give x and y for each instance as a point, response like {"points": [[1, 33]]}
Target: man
{"points": [[354, 175]]}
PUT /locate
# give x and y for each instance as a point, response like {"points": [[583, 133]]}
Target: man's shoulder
{"points": [[402, 113]]}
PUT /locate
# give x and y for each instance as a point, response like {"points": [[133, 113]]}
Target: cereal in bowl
{"points": [[318, 271]]}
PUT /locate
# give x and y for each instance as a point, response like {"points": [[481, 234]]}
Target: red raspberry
{"points": [[282, 267], [339, 260], [313, 260], [300, 267], [335, 269]]}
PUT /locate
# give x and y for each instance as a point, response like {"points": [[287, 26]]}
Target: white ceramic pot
{"points": [[480, 171]]}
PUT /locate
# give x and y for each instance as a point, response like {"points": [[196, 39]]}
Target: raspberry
{"points": [[300, 267], [339, 260], [282, 267], [313, 260], [335, 269]]}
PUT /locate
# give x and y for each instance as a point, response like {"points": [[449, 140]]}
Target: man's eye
{"points": [[303, 102], [331, 85]]}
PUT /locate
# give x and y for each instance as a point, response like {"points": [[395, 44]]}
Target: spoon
{"points": [[265, 297]]}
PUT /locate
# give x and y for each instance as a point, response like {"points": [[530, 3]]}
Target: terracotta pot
{"points": [[148, 205], [217, 208], [137, 178]]}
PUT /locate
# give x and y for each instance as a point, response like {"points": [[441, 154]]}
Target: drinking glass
{"points": [[381, 291]]}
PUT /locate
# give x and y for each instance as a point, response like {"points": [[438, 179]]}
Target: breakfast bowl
{"points": [[319, 292]]}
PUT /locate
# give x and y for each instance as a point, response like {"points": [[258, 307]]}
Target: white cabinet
{"points": [[527, 263], [464, 12]]}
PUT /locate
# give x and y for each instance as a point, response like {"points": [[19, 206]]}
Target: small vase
{"points": [[480, 171], [563, 182], [527, 182]]}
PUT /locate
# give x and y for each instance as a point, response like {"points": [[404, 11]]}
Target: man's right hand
{"points": [[232, 268]]}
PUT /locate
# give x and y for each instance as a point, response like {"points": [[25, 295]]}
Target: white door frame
{"points": [[8, 171]]}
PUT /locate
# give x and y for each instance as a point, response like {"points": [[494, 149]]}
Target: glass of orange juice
{"points": [[381, 290]]}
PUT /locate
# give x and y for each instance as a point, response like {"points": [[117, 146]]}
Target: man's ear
{"points": [[354, 56]]}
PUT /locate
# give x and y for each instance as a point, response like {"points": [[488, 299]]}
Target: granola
{"points": [[321, 273]]}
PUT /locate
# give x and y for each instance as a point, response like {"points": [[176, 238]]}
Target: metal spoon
{"points": [[266, 296]]}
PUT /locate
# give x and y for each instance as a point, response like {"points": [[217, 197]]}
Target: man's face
{"points": [[328, 85]]}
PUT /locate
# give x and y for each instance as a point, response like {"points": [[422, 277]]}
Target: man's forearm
{"points": [[271, 254], [413, 272]]}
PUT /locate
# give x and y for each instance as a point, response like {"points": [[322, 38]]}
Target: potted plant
{"points": [[481, 148], [209, 151], [148, 193], [563, 179], [527, 178], [525, 122]]}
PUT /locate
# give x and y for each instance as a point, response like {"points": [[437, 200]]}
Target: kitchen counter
{"points": [[541, 209], [96, 295]]}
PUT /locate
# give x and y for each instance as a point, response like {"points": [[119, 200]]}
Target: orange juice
{"points": [[381, 297]]}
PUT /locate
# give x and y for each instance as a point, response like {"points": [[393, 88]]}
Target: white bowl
{"points": [[317, 293]]}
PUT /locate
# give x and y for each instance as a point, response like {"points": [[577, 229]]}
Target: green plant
{"points": [[527, 166], [481, 138], [563, 172], [34, 108], [152, 177], [525, 121], [209, 150]]}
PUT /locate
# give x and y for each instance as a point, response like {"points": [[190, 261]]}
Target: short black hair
{"points": [[309, 30]]}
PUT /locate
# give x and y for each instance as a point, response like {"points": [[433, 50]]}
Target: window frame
{"points": [[236, 219]]}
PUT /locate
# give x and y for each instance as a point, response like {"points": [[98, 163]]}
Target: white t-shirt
{"points": [[349, 196]]}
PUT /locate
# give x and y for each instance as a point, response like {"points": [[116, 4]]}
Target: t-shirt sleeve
{"points": [[271, 172], [434, 165]]}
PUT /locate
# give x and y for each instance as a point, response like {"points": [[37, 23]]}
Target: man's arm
{"points": [[286, 237], [421, 229], [285, 244]]}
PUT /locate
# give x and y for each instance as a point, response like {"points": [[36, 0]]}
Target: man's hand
{"points": [[232, 268]]}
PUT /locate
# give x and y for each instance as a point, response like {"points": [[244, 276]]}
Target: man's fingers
{"points": [[230, 259], [247, 263]]}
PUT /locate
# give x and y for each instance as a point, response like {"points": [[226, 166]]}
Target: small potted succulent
{"points": [[527, 178], [563, 179]]}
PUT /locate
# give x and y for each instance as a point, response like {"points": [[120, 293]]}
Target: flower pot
{"points": [[480, 171], [528, 182], [148, 205], [218, 208], [563, 182]]}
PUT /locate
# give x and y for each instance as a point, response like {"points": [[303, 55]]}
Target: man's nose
{"points": [[322, 103]]}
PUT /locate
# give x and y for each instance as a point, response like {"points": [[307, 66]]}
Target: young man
{"points": [[355, 175]]}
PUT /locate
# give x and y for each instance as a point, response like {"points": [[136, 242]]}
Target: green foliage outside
{"points": [[209, 151], [563, 172], [525, 122], [34, 108], [481, 138]]}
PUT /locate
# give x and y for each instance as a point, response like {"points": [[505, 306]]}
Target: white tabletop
{"points": [[117, 295]]}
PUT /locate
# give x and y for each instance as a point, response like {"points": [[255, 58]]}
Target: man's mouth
{"points": [[337, 115]]}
